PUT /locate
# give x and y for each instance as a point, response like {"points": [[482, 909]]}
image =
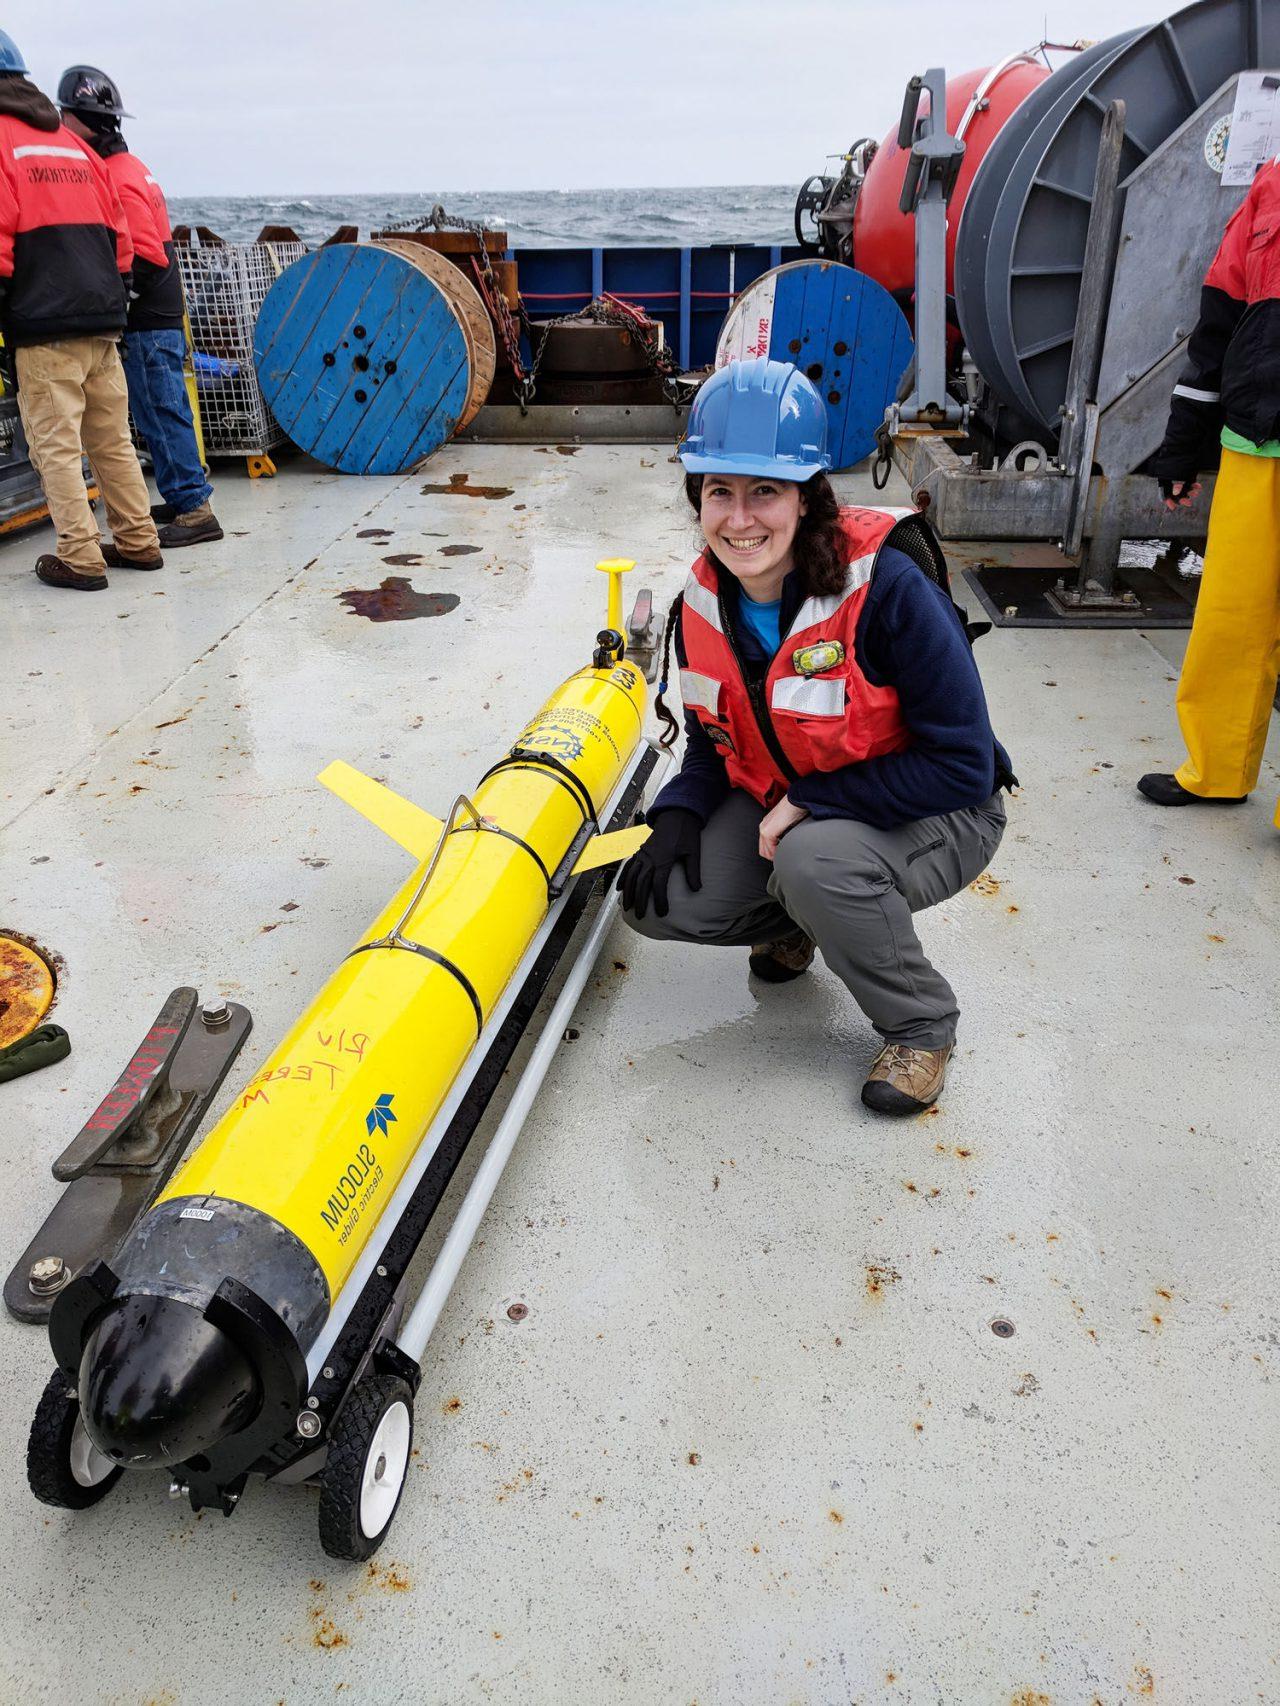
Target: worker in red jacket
{"points": [[65, 255], [155, 347], [1229, 394]]}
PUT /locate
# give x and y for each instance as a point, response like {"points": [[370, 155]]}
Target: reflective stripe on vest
{"points": [[824, 607], [703, 600], [700, 692], [816, 698], [39, 151]]}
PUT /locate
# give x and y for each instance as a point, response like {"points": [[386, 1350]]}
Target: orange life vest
{"points": [[805, 717]]}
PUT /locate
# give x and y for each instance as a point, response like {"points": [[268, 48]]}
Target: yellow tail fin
{"points": [[408, 825], [607, 849]]}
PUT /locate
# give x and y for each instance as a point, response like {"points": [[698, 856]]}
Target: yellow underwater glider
{"points": [[257, 1318]]}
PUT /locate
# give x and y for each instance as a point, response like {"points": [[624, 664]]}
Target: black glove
{"points": [[675, 840], [1166, 486]]}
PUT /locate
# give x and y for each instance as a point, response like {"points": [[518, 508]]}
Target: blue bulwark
{"points": [[361, 359], [689, 290], [836, 325]]}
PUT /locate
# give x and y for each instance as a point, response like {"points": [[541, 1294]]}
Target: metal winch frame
{"points": [[1150, 237]]}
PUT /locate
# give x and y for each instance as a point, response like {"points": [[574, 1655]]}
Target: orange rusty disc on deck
{"points": [[26, 989]]}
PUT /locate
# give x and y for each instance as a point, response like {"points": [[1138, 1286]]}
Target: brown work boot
{"points": [[192, 527], [54, 572], [116, 559], [780, 961], [905, 1080]]}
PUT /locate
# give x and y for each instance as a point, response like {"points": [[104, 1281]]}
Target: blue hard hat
{"points": [[757, 417], [10, 58]]}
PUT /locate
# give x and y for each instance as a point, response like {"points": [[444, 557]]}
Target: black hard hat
{"points": [[85, 89]]}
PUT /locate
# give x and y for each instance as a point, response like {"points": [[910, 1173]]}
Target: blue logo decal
{"points": [[380, 1116]]}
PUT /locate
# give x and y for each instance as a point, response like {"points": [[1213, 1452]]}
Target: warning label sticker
{"points": [[748, 326]]}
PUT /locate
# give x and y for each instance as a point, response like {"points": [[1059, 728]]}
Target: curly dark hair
{"points": [[819, 552]]}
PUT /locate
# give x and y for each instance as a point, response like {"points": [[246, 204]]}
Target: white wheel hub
{"points": [[385, 1467], [89, 1467]]}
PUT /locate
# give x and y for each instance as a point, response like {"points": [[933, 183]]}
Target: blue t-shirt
{"points": [[763, 622]]}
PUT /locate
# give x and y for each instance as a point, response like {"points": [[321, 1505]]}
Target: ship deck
{"points": [[755, 1441]]}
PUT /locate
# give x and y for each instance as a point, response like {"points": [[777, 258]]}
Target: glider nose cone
{"points": [[159, 1385]]}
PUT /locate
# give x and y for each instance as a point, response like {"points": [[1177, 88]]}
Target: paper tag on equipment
{"points": [[1254, 137]]}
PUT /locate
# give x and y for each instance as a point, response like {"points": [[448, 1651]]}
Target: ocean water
{"points": [[543, 219]]}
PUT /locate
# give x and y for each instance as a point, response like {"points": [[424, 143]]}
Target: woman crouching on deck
{"points": [[840, 771]]}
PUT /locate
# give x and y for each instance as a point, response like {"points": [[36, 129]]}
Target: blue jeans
{"points": [[162, 414]]}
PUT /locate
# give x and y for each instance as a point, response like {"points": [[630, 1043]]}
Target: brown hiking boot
{"points": [[192, 527], [780, 961], [905, 1080], [54, 572], [116, 559]]}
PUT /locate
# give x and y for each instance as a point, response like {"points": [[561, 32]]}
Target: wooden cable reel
{"points": [[464, 299], [372, 355]]}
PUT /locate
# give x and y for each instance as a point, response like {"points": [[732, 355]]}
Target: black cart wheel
{"points": [[364, 1475], [64, 1466]]}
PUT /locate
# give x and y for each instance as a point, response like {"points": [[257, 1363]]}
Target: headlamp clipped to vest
{"points": [[817, 658]]}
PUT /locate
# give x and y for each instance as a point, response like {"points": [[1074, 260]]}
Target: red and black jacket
{"points": [[157, 302], [64, 245], [1232, 376]]}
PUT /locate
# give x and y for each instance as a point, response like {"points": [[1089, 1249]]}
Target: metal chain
{"points": [[607, 310], [604, 310], [494, 300], [436, 220], [882, 467]]}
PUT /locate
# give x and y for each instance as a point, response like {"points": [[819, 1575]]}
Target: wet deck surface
{"points": [[756, 1440]]}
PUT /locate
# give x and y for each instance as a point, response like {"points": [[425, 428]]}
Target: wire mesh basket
{"points": [[225, 285]]}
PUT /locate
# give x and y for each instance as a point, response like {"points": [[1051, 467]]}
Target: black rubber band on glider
{"points": [[437, 959]]}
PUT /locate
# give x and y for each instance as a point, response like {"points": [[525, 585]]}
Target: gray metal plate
{"points": [[570, 423], [1175, 251], [96, 1212]]}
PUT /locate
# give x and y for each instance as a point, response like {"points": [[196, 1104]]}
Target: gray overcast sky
{"points": [[283, 97]]}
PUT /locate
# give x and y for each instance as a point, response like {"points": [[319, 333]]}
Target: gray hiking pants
{"points": [[852, 888]]}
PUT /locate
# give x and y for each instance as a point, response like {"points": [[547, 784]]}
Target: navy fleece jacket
{"points": [[910, 637]]}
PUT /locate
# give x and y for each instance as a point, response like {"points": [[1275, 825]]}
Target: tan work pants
{"points": [[72, 394]]}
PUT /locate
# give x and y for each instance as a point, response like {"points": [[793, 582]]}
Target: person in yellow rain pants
{"points": [[1230, 390]]}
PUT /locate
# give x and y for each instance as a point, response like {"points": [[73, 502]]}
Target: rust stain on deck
{"points": [[391, 1577], [396, 601], [879, 1276], [459, 487]]}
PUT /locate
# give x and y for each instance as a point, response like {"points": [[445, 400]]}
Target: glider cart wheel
{"points": [[364, 1476], [64, 1466]]}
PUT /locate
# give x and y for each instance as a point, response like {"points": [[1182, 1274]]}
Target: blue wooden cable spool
{"points": [[362, 359], [836, 325]]}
